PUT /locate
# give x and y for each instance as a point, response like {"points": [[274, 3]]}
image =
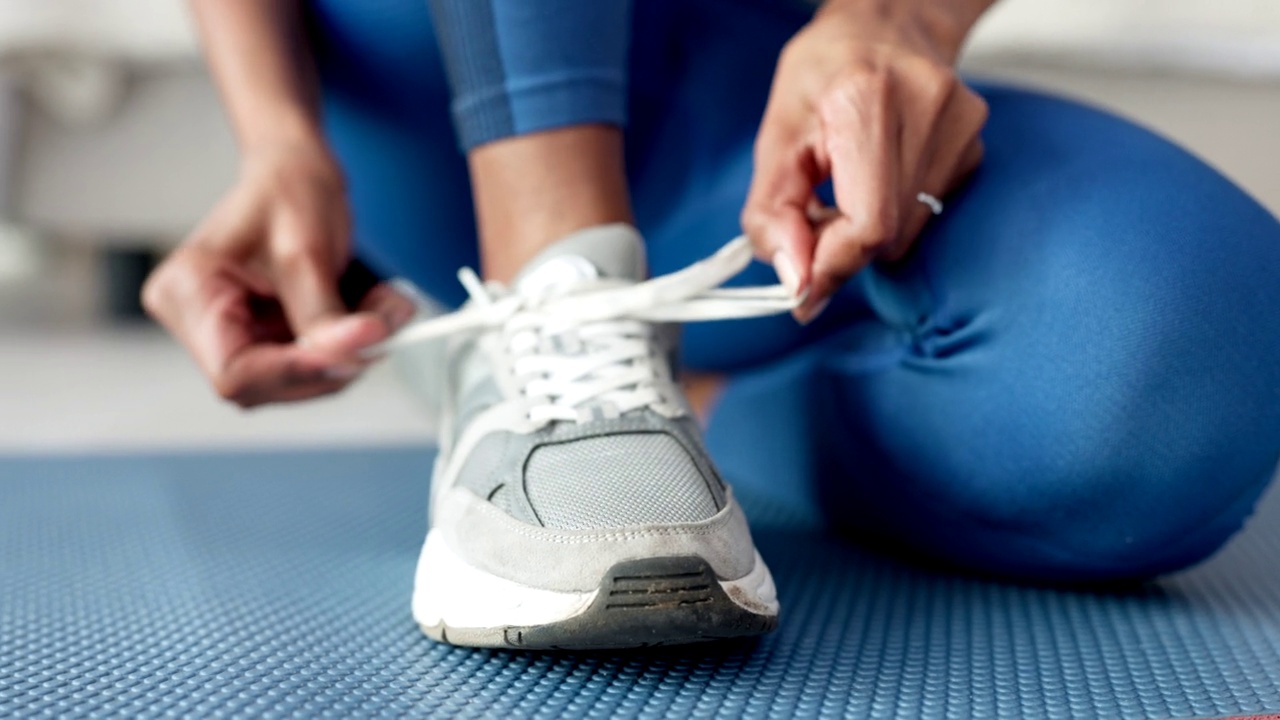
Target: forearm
{"points": [[946, 23], [258, 57]]}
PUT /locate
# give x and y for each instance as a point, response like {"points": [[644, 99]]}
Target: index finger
{"points": [[274, 372], [305, 272], [862, 139]]}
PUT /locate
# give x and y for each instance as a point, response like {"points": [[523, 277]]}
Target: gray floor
{"points": [[67, 382], [272, 585]]}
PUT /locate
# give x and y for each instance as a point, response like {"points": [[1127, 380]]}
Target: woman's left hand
{"points": [[865, 95]]}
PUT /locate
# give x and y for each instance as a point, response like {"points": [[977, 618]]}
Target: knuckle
{"points": [[158, 290], [788, 52], [939, 83], [793, 51], [291, 255], [753, 218], [865, 78], [981, 111], [152, 297], [299, 249], [971, 108], [877, 226], [154, 292], [855, 93], [938, 73]]}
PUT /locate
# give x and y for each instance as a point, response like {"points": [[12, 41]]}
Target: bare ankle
{"points": [[533, 189]]}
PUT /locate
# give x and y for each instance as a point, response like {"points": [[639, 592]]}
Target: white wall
{"points": [[138, 29], [1229, 37]]}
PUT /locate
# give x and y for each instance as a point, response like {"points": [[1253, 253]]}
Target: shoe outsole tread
{"points": [[641, 603]]}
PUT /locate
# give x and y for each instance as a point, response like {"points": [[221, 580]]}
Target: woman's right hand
{"points": [[253, 292]]}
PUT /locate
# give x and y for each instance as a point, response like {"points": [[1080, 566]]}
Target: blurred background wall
{"points": [[112, 146]]}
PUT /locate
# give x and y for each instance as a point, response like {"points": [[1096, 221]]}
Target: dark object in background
{"points": [[356, 282], [123, 271]]}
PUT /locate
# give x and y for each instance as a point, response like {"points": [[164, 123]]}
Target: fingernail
{"points": [[342, 372], [786, 271], [807, 316]]}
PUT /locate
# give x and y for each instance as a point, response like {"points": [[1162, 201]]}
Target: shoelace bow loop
{"points": [[607, 323]]}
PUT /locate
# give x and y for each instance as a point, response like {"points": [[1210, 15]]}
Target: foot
{"points": [[573, 504]]}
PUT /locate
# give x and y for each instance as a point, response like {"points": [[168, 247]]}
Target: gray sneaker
{"points": [[573, 504]]}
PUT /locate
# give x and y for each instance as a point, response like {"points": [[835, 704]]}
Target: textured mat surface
{"points": [[277, 585]]}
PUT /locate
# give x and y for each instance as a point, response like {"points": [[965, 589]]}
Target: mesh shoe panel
{"points": [[613, 481]]}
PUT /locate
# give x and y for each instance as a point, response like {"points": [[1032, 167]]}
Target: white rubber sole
{"points": [[639, 603]]}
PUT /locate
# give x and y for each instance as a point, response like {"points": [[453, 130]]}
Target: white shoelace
{"points": [[591, 346]]}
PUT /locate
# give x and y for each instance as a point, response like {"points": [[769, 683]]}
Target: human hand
{"points": [[864, 95], [253, 292]]}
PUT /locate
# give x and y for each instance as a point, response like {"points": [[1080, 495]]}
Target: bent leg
{"points": [[688, 141], [386, 113], [1076, 376], [386, 101]]}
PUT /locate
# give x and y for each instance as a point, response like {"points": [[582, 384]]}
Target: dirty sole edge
{"points": [[640, 603]]}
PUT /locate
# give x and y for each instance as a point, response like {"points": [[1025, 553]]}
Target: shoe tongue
{"points": [[606, 251]]}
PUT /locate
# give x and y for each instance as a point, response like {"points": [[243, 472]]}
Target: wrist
{"points": [[941, 26], [274, 128], [291, 154]]}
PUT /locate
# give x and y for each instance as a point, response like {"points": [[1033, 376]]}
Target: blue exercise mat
{"points": [[277, 585]]}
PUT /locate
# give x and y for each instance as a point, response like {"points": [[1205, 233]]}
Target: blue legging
{"points": [[1075, 376]]}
